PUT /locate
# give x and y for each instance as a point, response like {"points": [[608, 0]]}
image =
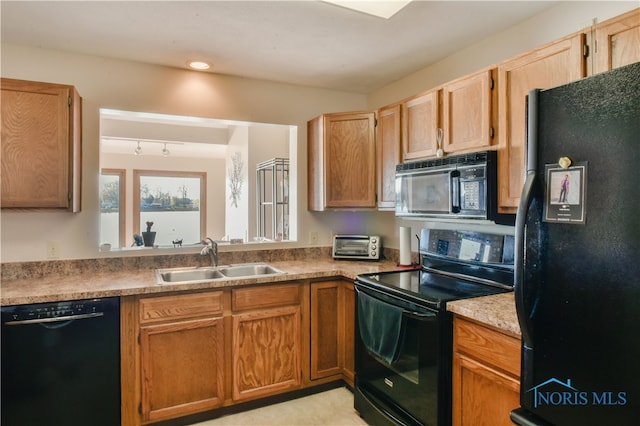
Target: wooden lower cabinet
{"points": [[266, 336], [486, 375], [326, 344], [348, 330], [181, 354], [190, 352], [182, 368], [332, 330]]}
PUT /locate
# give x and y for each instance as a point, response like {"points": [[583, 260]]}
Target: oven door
{"points": [[400, 368]]}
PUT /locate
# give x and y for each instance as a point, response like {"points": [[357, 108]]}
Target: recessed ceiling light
{"points": [[198, 65], [381, 9]]}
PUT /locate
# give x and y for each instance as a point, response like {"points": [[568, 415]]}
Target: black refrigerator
{"points": [[577, 276]]}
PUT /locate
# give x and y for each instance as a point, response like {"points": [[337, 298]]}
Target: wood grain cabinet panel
{"points": [[267, 296], [420, 124], [389, 154], [41, 145], [266, 339], [326, 345], [486, 375], [154, 309], [469, 104], [617, 42], [551, 65], [266, 352], [182, 368], [333, 330], [348, 331], [341, 155]]}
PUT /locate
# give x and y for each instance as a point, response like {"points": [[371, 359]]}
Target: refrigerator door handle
{"points": [[520, 258]]}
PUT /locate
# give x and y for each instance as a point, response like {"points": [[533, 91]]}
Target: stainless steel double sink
{"points": [[210, 273]]}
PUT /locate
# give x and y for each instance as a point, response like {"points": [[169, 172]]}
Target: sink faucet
{"points": [[211, 248]]}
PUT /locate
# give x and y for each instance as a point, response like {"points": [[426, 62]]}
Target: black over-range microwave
{"points": [[459, 186]]}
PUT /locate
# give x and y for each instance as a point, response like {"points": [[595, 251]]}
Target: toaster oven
{"points": [[360, 247]]}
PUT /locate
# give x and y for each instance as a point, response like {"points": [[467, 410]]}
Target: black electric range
{"points": [[454, 265], [404, 337]]}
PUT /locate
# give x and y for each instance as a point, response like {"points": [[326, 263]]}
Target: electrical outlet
{"points": [[53, 249], [313, 237]]}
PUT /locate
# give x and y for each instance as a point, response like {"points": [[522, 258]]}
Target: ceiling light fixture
{"points": [[198, 65], [138, 150], [381, 9], [165, 151]]}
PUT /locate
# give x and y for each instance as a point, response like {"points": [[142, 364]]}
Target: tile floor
{"points": [[330, 408]]}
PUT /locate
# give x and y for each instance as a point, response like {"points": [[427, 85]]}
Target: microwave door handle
{"points": [[455, 191]]}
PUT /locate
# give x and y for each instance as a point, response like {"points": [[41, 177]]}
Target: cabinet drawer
{"points": [[487, 345], [154, 309], [265, 297]]}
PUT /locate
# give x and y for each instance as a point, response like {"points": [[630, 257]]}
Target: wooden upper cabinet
{"points": [[41, 143], [617, 42], [389, 150], [469, 105], [420, 125], [551, 65], [341, 161]]}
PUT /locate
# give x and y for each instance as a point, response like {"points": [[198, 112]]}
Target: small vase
{"points": [[149, 238]]}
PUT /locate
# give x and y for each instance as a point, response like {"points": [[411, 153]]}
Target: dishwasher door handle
{"points": [[54, 320]]}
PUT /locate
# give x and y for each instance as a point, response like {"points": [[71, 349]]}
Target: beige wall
{"points": [[108, 83], [566, 18]]}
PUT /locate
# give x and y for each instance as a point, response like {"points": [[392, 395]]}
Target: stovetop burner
{"points": [[427, 287], [455, 265]]}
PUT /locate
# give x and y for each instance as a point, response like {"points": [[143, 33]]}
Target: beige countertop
{"points": [[498, 311], [98, 281]]}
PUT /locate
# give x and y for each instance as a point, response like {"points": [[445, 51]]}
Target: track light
{"points": [[138, 150], [165, 151]]}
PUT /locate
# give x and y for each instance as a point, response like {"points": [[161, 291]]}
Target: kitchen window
{"points": [[175, 203], [112, 207]]}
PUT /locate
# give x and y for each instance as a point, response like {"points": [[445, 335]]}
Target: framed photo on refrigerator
{"points": [[565, 194]]}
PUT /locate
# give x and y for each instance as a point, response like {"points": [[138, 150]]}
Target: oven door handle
{"points": [[419, 315]]}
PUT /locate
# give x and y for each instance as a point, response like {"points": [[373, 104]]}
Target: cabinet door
{"points": [[326, 345], [40, 145], [389, 149], [617, 41], [486, 375], [350, 154], [482, 396], [341, 163], [420, 126], [182, 368], [467, 108], [348, 329], [551, 65], [266, 352]]}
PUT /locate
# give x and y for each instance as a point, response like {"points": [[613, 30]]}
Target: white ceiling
{"points": [[309, 43]]}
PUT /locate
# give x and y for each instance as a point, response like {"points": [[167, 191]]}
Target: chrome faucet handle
{"points": [[211, 248]]}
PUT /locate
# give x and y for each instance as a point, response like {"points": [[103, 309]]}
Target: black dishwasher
{"points": [[61, 363]]}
